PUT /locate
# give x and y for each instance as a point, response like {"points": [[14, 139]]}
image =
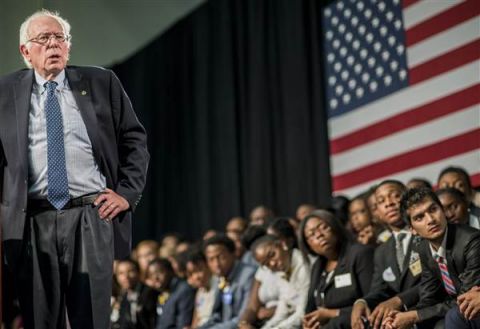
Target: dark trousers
{"points": [[455, 320], [66, 267]]}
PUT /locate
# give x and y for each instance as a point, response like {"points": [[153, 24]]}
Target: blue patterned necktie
{"points": [[58, 193]]}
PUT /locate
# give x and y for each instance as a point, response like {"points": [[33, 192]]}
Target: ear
{"points": [[413, 230], [25, 52]]}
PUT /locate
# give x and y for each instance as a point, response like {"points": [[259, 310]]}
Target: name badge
{"points": [[227, 298], [343, 280], [388, 275], [416, 267]]}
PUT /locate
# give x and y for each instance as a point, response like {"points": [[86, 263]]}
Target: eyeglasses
{"points": [[321, 227], [44, 38]]}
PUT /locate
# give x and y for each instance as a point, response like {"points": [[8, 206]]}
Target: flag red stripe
{"points": [[475, 179], [455, 58], [418, 157], [416, 116], [408, 3], [442, 21]]}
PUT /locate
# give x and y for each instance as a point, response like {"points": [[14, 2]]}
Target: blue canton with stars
{"points": [[365, 55], [58, 192]]}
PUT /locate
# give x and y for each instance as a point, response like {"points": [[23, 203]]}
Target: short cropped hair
{"points": [[413, 197], [393, 182], [220, 239], [457, 170]]}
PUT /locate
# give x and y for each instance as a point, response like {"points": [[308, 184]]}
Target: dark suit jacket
{"points": [[227, 316], [388, 281], [355, 261], [178, 310], [118, 141], [463, 262]]}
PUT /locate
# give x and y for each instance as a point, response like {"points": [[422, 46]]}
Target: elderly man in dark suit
{"points": [[450, 259], [76, 162], [396, 272]]}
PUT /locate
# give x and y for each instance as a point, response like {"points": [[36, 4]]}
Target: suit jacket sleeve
{"points": [[186, 301], [132, 146], [379, 289]]}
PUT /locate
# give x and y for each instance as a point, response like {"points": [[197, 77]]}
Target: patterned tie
{"points": [[58, 193], [447, 280], [399, 250]]}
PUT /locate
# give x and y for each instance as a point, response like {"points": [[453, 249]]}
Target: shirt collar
{"points": [[406, 232], [60, 79], [442, 252]]}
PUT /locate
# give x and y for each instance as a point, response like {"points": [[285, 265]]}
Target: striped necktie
{"points": [[57, 191], [446, 279]]}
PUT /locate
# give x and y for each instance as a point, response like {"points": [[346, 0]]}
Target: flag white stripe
{"points": [[443, 42], [412, 138], [417, 95], [470, 161], [424, 10]]}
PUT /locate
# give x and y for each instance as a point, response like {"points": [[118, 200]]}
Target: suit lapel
{"points": [[450, 245], [23, 92], [83, 96]]}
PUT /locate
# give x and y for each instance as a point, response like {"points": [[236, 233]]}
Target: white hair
{"points": [[24, 37]]}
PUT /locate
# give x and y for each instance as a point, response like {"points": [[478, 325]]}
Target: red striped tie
{"points": [[447, 280]]}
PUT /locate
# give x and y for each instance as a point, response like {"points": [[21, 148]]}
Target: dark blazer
{"points": [[178, 310], [226, 316], [388, 281], [463, 262], [118, 141], [356, 262]]}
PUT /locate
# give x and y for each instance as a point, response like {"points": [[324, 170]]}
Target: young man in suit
{"points": [[396, 264], [76, 163], [232, 281], [450, 260]]}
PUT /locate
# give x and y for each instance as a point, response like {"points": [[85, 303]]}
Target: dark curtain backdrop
{"points": [[231, 97]]}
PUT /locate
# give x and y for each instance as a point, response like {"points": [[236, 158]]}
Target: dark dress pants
{"points": [[455, 320], [66, 267]]}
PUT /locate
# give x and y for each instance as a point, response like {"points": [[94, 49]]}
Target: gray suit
{"points": [[226, 315]]}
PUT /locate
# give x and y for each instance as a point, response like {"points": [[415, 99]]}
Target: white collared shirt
{"points": [[441, 252], [405, 241], [83, 173]]}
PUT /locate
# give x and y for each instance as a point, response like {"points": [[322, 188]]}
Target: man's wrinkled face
{"points": [[47, 59]]}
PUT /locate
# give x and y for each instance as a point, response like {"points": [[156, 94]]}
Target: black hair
{"points": [[266, 239], [456, 194], [284, 230], [130, 261], [164, 264], [422, 181], [413, 197], [457, 170], [393, 182], [336, 226], [339, 207], [251, 234], [195, 256], [220, 239]]}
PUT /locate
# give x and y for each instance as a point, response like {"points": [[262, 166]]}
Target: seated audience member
{"points": [[467, 312], [360, 221], [339, 208], [182, 247], [303, 211], [454, 205], [144, 253], [458, 178], [176, 299], [169, 245], [260, 215], [396, 263], [134, 306], [209, 234], [200, 277], [233, 281], [292, 279], [264, 294], [340, 275], [382, 232], [282, 229], [251, 234], [235, 228], [450, 261], [419, 182], [178, 263]]}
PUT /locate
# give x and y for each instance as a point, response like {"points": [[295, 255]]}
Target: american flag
{"points": [[403, 89]]}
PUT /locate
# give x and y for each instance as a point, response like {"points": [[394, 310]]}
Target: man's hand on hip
{"points": [[111, 204]]}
